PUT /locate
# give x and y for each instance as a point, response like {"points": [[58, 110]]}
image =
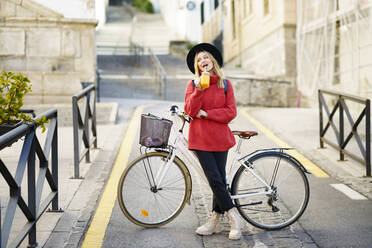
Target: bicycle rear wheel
{"points": [[281, 201], [146, 203]]}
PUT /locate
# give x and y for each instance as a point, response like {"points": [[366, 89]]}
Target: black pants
{"points": [[214, 166]]}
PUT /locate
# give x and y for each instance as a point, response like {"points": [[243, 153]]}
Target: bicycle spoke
{"points": [[142, 201], [180, 179], [283, 203]]}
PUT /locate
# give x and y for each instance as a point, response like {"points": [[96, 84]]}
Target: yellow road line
{"points": [[314, 169], [97, 229]]}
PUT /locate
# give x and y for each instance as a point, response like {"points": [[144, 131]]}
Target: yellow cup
{"points": [[204, 80]]}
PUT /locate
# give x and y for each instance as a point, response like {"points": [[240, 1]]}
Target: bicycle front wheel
{"points": [[146, 203], [276, 196]]}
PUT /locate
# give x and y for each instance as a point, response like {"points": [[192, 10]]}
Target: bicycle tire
{"points": [[289, 199], [143, 205]]}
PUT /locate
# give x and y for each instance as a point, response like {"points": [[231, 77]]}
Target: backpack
{"points": [[224, 85]]}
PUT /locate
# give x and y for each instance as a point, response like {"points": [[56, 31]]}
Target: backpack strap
{"points": [[225, 84]]}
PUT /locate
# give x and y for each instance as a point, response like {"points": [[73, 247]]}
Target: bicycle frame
{"points": [[180, 147], [263, 182]]}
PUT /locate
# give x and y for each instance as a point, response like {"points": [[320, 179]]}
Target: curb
{"points": [[71, 227]]}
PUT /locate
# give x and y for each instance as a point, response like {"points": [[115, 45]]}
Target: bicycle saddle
{"points": [[245, 134]]}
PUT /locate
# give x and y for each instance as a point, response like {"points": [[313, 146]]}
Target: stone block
{"points": [[12, 41], [13, 63], [61, 84], [86, 63], [36, 80], [58, 64], [24, 12], [43, 42], [7, 8], [71, 43], [33, 99]]}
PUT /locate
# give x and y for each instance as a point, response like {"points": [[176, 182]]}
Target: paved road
{"points": [[331, 220]]}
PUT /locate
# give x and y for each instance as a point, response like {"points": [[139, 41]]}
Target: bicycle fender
{"points": [[286, 155], [303, 168], [189, 177]]}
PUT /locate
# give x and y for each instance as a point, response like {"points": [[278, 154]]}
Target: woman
{"points": [[209, 135]]}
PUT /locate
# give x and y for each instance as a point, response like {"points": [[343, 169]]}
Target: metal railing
{"points": [[84, 124], [159, 74], [136, 51], [340, 132], [48, 171]]}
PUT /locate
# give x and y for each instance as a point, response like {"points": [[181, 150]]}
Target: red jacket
{"points": [[211, 133]]}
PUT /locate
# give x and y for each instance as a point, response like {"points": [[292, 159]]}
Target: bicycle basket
{"points": [[154, 131]]}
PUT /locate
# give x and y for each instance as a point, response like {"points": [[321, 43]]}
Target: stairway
{"points": [[124, 75]]}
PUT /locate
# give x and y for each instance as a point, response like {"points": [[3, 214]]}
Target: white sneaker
{"points": [[236, 224], [211, 226]]}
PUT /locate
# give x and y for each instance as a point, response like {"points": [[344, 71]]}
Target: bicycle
{"points": [[269, 188]]}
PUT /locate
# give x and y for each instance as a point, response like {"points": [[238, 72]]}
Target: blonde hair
{"points": [[216, 68]]}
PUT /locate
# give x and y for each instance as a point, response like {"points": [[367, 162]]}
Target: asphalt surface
{"points": [[332, 219]]}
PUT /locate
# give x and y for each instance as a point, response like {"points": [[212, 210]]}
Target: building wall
{"points": [[251, 27], [100, 12], [345, 41], [55, 52], [212, 27], [262, 41], [185, 23]]}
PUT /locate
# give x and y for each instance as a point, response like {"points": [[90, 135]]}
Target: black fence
{"points": [[47, 171], [84, 125], [343, 110]]}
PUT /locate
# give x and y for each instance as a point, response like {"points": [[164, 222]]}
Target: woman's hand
{"points": [[197, 84], [202, 114]]}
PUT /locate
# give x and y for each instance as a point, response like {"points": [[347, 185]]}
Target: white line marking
{"points": [[352, 194], [107, 76], [141, 77]]}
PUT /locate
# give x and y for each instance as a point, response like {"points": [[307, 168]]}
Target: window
{"points": [[202, 12], [266, 7]]}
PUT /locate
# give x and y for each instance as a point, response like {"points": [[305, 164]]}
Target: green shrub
{"points": [[143, 5], [13, 88]]}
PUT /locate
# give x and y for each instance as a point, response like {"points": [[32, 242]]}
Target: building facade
{"points": [[258, 37], [334, 48], [183, 18], [50, 42]]}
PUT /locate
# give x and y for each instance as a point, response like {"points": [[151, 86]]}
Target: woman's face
{"points": [[204, 62]]}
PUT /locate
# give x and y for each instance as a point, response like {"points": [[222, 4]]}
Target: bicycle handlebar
{"points": [[184, 117]]}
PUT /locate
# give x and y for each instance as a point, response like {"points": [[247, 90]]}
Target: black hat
{"points": [[203, 47]]}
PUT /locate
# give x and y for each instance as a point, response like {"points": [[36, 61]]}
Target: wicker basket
{"points": [[155, 131]]}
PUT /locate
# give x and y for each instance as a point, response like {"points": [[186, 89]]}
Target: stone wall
{"points": [[263, 92], [55, 52]]}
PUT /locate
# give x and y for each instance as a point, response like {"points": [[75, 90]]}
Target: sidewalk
{"points": [[77, 197]]}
